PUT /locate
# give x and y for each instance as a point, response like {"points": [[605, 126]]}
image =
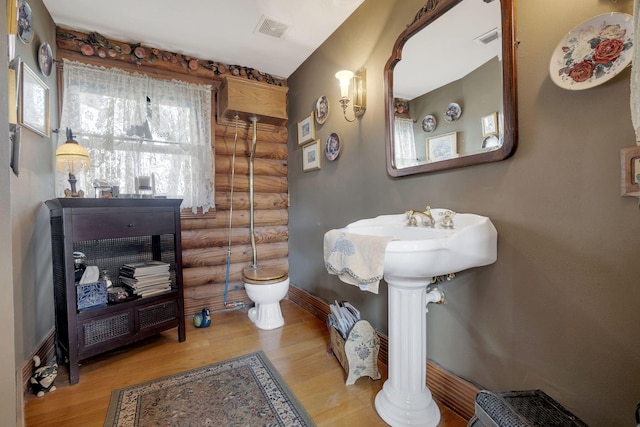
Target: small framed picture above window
{"points": [[311, 157], [490, 124], [306, 130]]}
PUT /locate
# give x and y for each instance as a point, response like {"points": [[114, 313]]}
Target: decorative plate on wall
{"points": [[429, 123], [491, 141], [452, 112], [25, 22], [45, 59], [322, 109], [332, 146], [593, 52]]}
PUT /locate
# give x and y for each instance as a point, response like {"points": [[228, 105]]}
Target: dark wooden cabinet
{"points": [[112, 232]]}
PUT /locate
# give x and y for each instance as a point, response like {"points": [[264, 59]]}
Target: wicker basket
{"points": [[358, 354]]}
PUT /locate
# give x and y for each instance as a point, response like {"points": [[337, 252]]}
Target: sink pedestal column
{"points": [[405, 399]]}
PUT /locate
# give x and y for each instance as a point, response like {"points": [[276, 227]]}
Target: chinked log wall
{"points": [[205, 238]]}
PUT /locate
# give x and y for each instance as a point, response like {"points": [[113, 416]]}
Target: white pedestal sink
{"points": [[418, 254]]}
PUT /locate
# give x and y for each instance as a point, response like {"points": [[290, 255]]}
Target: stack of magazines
{"points": [[342, 317], [146, 278]]}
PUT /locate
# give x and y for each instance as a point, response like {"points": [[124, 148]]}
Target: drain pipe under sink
{"points": [[435, 296]]}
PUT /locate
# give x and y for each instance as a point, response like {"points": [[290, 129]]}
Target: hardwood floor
{"points": [[298, 351]]}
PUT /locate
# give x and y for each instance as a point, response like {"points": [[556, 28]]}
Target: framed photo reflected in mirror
{"points": [[490, 124], [442, 147]]}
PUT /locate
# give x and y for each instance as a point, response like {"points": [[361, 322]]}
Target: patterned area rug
{"points": [[246, 391]]}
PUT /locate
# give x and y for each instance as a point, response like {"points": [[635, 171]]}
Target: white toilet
{"points": [[266, 286]]}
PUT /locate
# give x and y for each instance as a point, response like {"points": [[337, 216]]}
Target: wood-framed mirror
{"points": [[452, 70]]}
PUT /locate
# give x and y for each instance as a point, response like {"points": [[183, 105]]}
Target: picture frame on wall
{"points": [[311, 158], [630, 171], [306, 130], [442, 147], [33, 104], [13, 93], [490, 124], [12, 18]]}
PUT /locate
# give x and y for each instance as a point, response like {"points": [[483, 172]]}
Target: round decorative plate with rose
{"points": [[593, 52]]}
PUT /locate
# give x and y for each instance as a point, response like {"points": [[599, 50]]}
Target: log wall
{"points": [[205, 238]]}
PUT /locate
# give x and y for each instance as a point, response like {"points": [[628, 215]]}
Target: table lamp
{"points": [[71, 158]]}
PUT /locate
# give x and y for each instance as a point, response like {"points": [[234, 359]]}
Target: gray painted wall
{"points": [[10, 404], [35, 184], [28, 248], [560, 309]]}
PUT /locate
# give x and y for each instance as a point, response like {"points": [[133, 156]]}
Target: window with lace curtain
{"points": [[405, 145], [134, 125]]}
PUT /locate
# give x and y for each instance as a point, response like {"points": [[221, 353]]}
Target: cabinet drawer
{"points": [[128, 224], [157, 314], [95, 332]]}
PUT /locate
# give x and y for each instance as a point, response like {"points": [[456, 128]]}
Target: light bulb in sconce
{"points": [[359, 94], [344, 76], [71, 158]]}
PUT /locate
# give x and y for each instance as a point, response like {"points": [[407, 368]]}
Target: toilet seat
{"points": [[264, 275]]}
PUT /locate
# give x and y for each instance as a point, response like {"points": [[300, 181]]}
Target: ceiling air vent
{"points": [[271, 27], [488, 37]]}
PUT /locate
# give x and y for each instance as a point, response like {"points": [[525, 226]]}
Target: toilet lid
{"points": [[264, 275]]}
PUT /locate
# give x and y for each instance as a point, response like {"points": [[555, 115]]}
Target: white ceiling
{"points": [[217, 30]]}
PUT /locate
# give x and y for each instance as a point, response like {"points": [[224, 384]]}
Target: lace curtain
{"points": [[405, 145], [134, 125]]}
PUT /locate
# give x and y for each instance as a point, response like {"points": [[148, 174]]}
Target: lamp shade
{"points": [[345, 77], [71, 157]]}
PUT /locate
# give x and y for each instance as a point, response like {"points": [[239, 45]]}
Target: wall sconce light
{"points": [[71, 158], [359, 92]]}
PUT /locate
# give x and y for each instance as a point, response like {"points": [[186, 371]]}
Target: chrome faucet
{"points": [[420, 218]]}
